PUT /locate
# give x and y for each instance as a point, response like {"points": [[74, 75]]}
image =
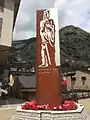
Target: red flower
{"points": [[60, 107], [68, 105], [49, 108], [34, 107]]}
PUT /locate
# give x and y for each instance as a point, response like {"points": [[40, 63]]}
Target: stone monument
{"points": [[48, 84], [48, 81]]}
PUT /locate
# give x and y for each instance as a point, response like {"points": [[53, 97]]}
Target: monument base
{"points": [[77, 114]]}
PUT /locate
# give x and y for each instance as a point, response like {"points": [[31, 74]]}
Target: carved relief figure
{"points": [[47, 33]]}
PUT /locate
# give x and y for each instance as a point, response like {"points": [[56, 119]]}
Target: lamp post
{"points": [[89, 72], [17, 79]]}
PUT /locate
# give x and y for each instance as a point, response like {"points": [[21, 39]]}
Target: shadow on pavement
{"points": [[11, 101]]}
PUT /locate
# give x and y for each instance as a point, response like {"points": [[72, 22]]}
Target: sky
{"points": [[71, 12]]}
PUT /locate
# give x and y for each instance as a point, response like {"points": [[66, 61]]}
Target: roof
{"points": [[27, 81], [16, 7]]}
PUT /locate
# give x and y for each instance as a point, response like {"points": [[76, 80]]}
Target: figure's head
{"points": [[46, 14]]}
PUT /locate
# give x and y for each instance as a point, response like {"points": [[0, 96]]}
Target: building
{"points": [[7, 22], [24, 87], [79, 83], [8, 13], [6, 25]]}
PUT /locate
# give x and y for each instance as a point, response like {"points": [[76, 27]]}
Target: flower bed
{"points": [[31, 105], [68, 111]]}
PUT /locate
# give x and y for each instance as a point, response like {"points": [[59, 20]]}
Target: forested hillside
{"points": [[74, 48]]}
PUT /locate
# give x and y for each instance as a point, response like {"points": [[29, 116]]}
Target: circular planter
{"points": [[77, 114]]}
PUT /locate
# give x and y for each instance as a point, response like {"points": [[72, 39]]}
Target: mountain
{"points": [[74, 49], [23, 51]]}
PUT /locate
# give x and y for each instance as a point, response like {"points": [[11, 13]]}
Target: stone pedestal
{"points": [[77, 114]]}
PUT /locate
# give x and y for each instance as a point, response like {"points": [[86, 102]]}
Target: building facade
{"points": [[6, 25], [6, 22], [80, 81]]}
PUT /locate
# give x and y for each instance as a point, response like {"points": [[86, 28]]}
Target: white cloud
{"points": [[71, 12], [74, 12]]}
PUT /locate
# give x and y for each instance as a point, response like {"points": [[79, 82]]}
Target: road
{"points": [[7, 114], [86, 104]]}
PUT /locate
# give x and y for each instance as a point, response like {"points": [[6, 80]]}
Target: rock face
{"points": [[78, 114]]}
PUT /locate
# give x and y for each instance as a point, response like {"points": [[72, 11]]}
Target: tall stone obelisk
{"points": [[48, 81]]}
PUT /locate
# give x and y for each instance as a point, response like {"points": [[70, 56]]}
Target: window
{"points": [[73, 80], [83, 80], [1, 20], [2, 5]]}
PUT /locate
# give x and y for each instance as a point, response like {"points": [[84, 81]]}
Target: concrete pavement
{"points": [[8, 108], [86, 104], [7, 112]]}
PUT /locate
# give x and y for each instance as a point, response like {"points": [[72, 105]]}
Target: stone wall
{"points": [[78, 114]]}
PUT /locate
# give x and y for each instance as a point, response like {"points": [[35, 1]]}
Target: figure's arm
{"points": [[42, 30], [41, 26], [52, 33]]}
